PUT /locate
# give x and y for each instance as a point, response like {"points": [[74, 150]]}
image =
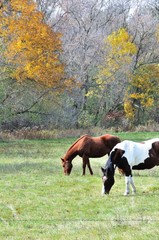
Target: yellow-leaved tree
{"points": [[137, 88], [143, 91], [114, 73], [119, 52], [32, 47]]}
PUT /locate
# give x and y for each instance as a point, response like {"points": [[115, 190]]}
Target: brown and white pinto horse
{"points": [[88, 147], [129, 155]]}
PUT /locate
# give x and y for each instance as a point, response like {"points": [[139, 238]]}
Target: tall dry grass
{"points": [[36, 133]]}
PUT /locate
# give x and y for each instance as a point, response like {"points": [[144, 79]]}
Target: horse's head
{"points": [[154, 151], [108, 176], [116, 156], [109, 170], [67, 166]]}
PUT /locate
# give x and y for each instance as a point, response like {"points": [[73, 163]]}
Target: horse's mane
{"points": [[78, 140]]}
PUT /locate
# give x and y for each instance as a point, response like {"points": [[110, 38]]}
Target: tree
{"points": [[119, 52], [32, 47], [84, 25], [30, 52], [141, 100], [143, 92], [113, 76]]}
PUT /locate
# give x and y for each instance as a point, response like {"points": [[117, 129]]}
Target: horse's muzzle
{"points": [[67, 174], [106, 193]]}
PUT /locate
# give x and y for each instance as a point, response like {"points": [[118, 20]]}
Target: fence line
{"points": [[81, 220]]}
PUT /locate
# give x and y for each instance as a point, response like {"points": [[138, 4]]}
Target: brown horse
{"points": [[88, 147]]}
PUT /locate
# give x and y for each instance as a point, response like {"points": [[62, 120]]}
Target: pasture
{"points": [[38, 202]]}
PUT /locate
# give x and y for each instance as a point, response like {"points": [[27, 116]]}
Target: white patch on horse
{"points": [[104, 178], [103, 190], [135, 153]]}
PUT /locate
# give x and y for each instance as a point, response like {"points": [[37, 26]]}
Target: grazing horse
{"points": [[129, 155], [88, 147]]}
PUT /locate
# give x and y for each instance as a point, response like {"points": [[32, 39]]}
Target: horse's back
{"points": [[97, 146], [151, 141], [135, 152]]}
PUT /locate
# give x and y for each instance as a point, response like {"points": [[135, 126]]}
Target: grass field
{"points": [[38, 202]]}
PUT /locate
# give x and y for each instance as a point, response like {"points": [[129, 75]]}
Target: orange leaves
{"points": [[33, 48], [26, 6]]}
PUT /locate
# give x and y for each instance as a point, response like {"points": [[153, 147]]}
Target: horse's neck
{"points": [[70, 154]]}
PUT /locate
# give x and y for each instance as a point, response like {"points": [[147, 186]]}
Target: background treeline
{"points": [[79, 64]]}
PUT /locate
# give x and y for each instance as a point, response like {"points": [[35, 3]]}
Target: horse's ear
{"points": [[116, 154], [103, 170]]}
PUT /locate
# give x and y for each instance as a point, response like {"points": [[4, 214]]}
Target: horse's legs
{"points": [[86, 162], [127, 185], [132, 184], [84, 166], [129, 180], [89, 167]]}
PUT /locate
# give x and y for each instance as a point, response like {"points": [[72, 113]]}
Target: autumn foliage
{"points": [[119, 52], [113, 70], [32, 47], [143, 90], [141, 86]]}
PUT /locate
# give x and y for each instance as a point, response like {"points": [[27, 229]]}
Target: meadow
{"points": [[38, 202]]}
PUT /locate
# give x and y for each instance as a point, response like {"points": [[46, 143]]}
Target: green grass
{"points": [[38, 202]]}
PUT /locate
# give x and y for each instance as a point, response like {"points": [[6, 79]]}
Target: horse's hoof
{"points": [[126, 193]]}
